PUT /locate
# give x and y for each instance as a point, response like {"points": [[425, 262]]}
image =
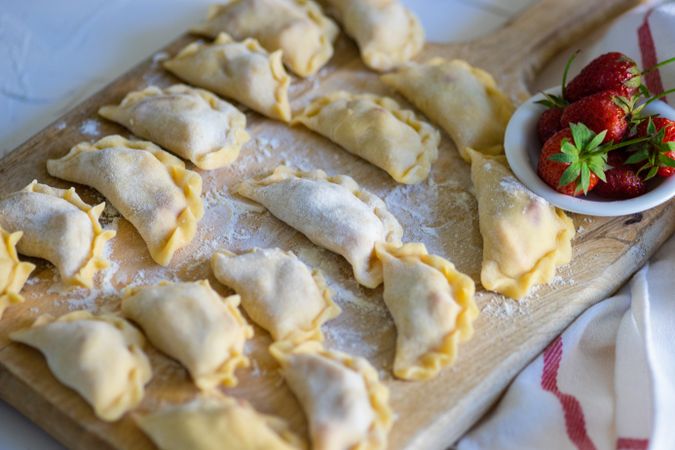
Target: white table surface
{"points": [[56, 53]]}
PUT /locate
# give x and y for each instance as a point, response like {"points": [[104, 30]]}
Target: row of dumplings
{"points": [[334, 212], [387, 33], [102, 357]]}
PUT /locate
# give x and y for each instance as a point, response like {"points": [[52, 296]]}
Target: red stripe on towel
{"points": [[649, 59], [575, 423], [632, 444]]}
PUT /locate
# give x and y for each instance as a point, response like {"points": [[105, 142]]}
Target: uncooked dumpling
{"points": [[346, 405], [296, 27], [464, 100], [432, 305], [278, 291], [333, 212], [378, 130], [59, 227], [217, 423], [100, 357], [193, 324], [524, 237], [148, 186], [242, 71], [192, 123], [387, 33], [13, 273]]}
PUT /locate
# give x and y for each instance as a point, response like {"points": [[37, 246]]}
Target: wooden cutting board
{"points": [[441, 213]]}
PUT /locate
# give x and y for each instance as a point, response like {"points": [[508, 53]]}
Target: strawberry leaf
{"points": [[598, 168], [597, 140], [671, 146], [551, 101], [568, 148], [581, 134], [622, 102], [639, 156], [666, 161], [643, 90], [652, 172], [570, 174], [563, 158], [585, 178]]}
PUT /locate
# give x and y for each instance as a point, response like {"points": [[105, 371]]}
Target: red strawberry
{"points": [[572, 160], [611, 71], [601, 111], [657, 155], [549, 123], [622, 182]]}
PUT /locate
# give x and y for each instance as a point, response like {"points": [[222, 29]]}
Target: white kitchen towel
{"points": [[646, 34], [608, 382]]}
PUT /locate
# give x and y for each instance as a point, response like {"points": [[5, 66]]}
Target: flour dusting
{"points": [[91, 127]]}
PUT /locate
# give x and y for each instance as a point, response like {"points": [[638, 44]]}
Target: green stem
{"points": [[567, 69], [661, 95], [609, 148], [656, 66]]}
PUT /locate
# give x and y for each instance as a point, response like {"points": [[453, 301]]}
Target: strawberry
{"points": [[549, 123], [606, 110], [657, 155], [611, 71], [622, 181], [573, 160]]}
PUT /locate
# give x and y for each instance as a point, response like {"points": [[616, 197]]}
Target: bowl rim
{"points": [[517, 145]]}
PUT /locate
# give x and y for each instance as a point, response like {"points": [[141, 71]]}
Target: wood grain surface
{"points": [[441, 213]]}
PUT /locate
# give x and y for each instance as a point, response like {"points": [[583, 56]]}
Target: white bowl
{"points": [[522, 151]]}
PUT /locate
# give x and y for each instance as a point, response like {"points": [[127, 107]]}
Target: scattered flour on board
{"points": [[61, 125], [502, 307], [266, 147], [90, 127], [159, 57]]}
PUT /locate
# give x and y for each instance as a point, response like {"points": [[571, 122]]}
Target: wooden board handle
{"points": [[532, 38]]}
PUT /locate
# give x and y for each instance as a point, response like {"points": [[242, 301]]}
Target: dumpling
{"points": [[524, 237], [432, 305], [100, 357], [378, 130], [193, 324], [333, 212], [296, 27], [13, 273], [217, 423], [387, 33], [278, 291], [59, 227], [345, 403], [464, 100], [148, 186], [192, 123], [242, 71]]}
